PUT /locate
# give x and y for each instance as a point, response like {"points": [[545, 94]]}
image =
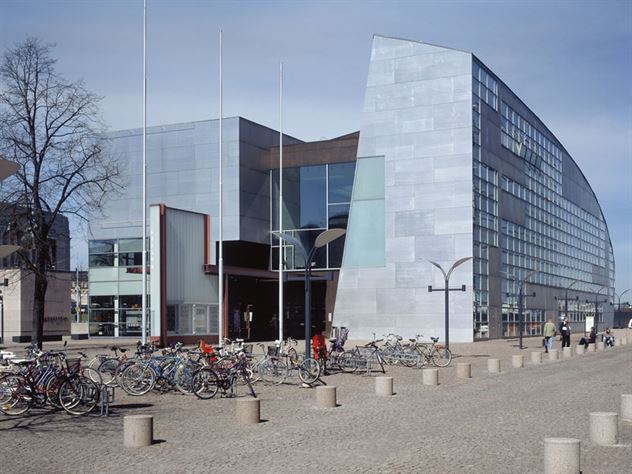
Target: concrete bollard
{"points": [[517, 361], [604, 428], [601, 346], [326, 397], [384, 386], [536, 357], [567, 352], [617, 341], [626, 407], [430, 376], [248, 411], [561, 456], [624, 341], [493, 366], [463, 370], [580, 349], [138, 431], [554, 354], [592, 347]]}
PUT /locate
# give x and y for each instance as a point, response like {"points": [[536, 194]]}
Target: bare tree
{"points": [[51, 127]]}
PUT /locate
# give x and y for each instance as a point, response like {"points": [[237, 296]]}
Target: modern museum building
{"points": [[448, 163]]}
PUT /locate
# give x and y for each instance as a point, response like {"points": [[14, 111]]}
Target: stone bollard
{"points": [[604, 428], [580, 349], [536, 357], [567, 352], [384, 386], [626, 407], [430, 376], [592, 347], [248, 411], [138, 431], [624, 341], [561, 456], [493, 366], [463, 370], [601, 346], [617, 341], [554, 354], [326, 397], [517, 361]]}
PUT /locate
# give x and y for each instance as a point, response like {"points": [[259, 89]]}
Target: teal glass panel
{"points": [[364, 246], [369, 179]]}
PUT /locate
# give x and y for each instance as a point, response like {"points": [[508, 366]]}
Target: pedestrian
{"points": [[608, 338], [549, 335], [566, 334], [591, 339]]}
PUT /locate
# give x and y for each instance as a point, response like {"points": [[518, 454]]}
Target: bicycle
{"points": [[438, 355], [207, 381]]}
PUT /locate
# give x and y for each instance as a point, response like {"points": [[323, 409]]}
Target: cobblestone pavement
{"points": [[492, 423]]}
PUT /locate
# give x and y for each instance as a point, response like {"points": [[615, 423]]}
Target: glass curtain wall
{"points": [[115, 274], [315, 198]]}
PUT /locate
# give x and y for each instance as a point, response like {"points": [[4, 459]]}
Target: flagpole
{"points": [[280, 201], [144, 259], [220, 272]]}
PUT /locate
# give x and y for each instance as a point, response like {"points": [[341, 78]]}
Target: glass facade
{"points": [[315, 198], [115, 273], [541, 230], [484, 86]]}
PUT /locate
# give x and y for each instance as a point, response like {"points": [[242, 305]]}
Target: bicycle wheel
{"points": [[347, 362], [137, 379], [52, 390], [183, 377], [410, 357], [273, 371], [107, 372], [78, 395], [441, 357], [205, 383], [309, 371], [16, 395]]}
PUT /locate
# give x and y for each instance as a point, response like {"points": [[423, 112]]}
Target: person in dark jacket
{"points": [[566, 334], [591, 339]]}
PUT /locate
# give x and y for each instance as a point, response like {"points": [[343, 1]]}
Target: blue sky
{"points": [[570, 61]]}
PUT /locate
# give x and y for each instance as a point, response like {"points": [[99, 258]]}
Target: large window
{"points": [[315, 198], [484, 85], [112, 253]]}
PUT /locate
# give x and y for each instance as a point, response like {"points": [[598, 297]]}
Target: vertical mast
{"points": [[280, 200], [220, 272], [144, 259]]}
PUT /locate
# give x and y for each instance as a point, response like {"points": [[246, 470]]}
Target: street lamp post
{"points": [[321, 240], [619, 296], [447, 289], [521, 297], [566, 299], [597, 301]]}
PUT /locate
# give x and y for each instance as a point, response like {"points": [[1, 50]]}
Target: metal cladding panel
{"points": [[184, 241], [182, 172], [418, 116]]}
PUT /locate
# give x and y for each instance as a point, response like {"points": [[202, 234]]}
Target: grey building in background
{"points": [[456, 165], [448, 163], [183, 163]]}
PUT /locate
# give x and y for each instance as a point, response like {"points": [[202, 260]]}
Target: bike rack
{"points": [[106, 397]]}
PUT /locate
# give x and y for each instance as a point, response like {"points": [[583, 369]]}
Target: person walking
{"points": [[566, 334], [549, 334]]}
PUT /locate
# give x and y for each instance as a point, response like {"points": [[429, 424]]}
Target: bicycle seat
{"points": [[434, 339]]}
